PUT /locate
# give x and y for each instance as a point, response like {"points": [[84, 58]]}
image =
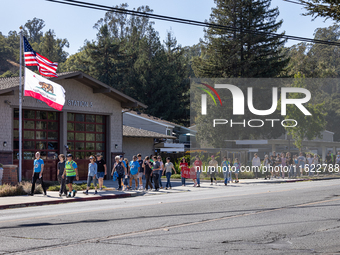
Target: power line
{"points": [[187, 21], [293, 2]]}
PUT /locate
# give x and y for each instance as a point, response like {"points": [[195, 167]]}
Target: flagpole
{"points": [[20, 109]]}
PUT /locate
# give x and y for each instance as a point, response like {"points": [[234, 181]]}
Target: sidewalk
{"points": [[111, 193]]}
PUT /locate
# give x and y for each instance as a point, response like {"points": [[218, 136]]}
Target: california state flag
{"points": [[44, 89]]}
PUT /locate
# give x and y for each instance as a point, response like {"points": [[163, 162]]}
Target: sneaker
{"points": [[170, 188], [95, 192], [74, 193], [101, 189], [68, 195], [198, 186], [31, 194], [86, 192], [45, 194], [60, 194], [211, 183], [166, 188], [161, 187]]}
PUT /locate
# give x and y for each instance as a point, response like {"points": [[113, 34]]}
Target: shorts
{"points": [[100, 175], [140, 174], [70, 179], [134, 177], [89, 180]]}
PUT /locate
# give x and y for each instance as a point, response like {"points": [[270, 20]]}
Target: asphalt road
{"points": [[290, 218]]}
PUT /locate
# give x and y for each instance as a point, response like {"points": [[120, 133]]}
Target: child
{"points": [[225, 169], [168, 171], [237, 166], [198, 169], [92, 173], [61, 180], [134, 170], [230, 179], [183, 165]]}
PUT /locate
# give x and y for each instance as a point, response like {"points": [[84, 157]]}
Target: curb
{"points": [[64, 201]]}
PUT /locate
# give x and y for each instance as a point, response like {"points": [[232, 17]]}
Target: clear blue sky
{"points": [[76, 24]]}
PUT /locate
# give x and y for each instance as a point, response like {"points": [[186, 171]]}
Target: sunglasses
{"points": [[91, 158]]}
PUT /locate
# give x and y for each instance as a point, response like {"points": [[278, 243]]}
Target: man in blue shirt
{"points": [[134, 169], [38, 169]]}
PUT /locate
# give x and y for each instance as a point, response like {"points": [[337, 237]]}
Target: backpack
{"points": [[120, 169]]}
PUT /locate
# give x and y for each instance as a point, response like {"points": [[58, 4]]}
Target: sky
{"points": [[76, 24]]}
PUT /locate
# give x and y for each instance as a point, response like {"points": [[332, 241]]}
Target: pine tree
{"points": [[238, 53]]}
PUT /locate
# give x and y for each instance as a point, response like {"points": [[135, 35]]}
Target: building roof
{"points": [[142, 133], [150, 117], [8, 85]]}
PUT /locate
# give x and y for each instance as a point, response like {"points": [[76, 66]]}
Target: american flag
{"points": [[46, 67]]}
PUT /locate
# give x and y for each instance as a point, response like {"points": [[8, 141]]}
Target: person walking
{"points": [[147, 173], [316, 163], [127, 176], [168, 167], [141, 171], [134, 170], [71, 173], [120, 169], [237, 166], [301, 164], [92, 174], [212, 169], [266, 164], [159, 159], [60, 172], [256, 163], [155, 172], [230, 178], [184, 168], [102, 170], [225, 168], [283, 164], [309, 161], [198, 168], [38, 169]]}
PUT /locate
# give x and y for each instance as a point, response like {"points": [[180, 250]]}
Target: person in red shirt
{"points": [[184, 169], [198, 170]]}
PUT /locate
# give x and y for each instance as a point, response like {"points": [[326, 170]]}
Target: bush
{"points": [[27, 188], [22, 188], [76, 186], [9, 190], [246, 175]]}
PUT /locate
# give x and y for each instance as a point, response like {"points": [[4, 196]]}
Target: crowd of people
{"points": [[277, 165]]}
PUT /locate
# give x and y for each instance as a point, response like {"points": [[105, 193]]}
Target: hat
{"points": [[212, 156], [69, 155], [121, 156], [99, 154]]}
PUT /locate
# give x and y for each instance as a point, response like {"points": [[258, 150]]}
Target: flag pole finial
{"points": [[21, 27]]}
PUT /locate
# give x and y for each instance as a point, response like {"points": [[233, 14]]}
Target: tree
{"points": [[103, 57], [237, 53], [329, 9], [32, 29], [308, 127], [52, 47]]}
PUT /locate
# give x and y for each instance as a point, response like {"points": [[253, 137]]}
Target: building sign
{"points": [[79, 103], [75, 103]]}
